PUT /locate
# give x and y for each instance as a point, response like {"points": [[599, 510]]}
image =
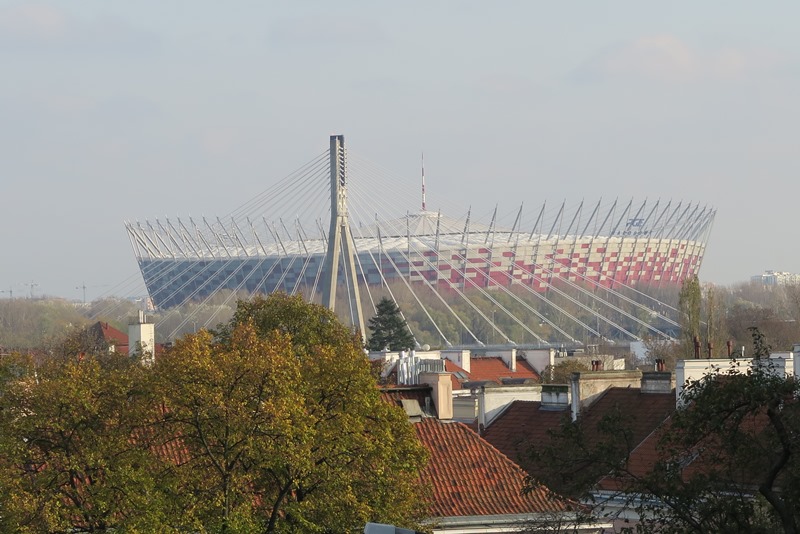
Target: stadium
{"points": [[278, 242]]}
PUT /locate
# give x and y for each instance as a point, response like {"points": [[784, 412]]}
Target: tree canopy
{"points": [[389, 329], [272, 424], [74, 453], [726, 461]]}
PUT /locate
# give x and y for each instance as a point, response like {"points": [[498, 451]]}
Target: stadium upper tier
{"points": [[616, 244]]}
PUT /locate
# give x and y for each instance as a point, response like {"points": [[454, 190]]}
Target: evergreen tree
{"points": [[388, 328]]}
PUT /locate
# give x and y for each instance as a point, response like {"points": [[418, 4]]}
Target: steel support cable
{"points": [[263, 280], [494, 301], [594, 297], [402, 277], [309, 256], [364, 273], [233, 293], [220, 287], [417, 299], [190, 266], [279, 200], [244, 281], [564, 312], [320, 265], [220, 268], [484, 293], [289, 200], [594, 282], [391, 293], [580, 305], [525, 304], [279, 186], [464, 297], [622, 296], [606, 303], [393, 183], [169, 234], [559, 217], [118, 288], [389, 188]]}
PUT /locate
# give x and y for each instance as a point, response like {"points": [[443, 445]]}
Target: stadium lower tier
{"points": [[605, 261]]}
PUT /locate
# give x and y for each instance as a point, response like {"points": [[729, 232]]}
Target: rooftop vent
{"points": [[412, 409], [555, 397]]}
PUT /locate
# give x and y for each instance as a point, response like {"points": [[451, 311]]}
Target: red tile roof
{"points": [[495, 369], [707, 455], [492, 369], [641, 412], [453, 368], [117, 338], [469, 477], [520, 425], [112, 336], [524, 424]]}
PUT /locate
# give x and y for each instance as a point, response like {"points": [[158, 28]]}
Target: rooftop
{"points": [[470, 477]]}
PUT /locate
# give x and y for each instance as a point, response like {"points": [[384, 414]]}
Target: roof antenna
{"points": [[423, 182]]}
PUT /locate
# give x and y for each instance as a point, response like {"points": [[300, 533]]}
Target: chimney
{"points": [[575, 383], [442, 392], [142, 338], [459, 357], [696, 348], [509, 358], [555, 397], [657, 381]]}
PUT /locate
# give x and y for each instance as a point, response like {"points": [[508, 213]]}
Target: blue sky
{"points": [[114, 111]]}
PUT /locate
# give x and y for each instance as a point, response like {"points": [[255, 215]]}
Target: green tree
{"points": [[561, 372], [74, 449], [236, 410], [689, 309], [285, 427], [388, 328], [726, 461]]}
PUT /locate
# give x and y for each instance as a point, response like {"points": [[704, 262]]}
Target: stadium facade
{"points": [[659, 243]]}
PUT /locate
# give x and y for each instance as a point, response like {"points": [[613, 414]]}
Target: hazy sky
{"points": [[114, 111]]}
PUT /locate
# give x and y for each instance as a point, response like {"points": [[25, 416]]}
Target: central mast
{"points": [[340, 241]]}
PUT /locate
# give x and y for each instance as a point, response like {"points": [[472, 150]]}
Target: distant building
{"points": [[775, 278]]}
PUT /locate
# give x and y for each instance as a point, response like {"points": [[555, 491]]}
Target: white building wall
{"points": [[783, 363]]}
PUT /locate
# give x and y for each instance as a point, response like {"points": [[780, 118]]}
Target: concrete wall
{"points": [[539, 359], [497, 399], [486, 403], [782, 363], [587, 386]]}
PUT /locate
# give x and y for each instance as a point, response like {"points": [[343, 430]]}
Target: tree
{"points": [[561, 372], [285, 426], [74, 448], [235, 409], [689, 310], [388, 328], [726, 461], [729, 461]]}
